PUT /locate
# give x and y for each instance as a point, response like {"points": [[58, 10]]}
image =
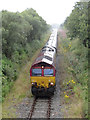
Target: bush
{"points": [[21, 37]]}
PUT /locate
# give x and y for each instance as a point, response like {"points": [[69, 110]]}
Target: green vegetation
{"points": [[22, 34], [77, 23], [75, 48]]}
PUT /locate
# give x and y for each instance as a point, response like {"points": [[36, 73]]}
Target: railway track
{"points": [[41, 106]]}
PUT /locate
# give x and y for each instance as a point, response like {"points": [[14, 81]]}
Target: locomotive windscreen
{"points": [[36, 72], [48, 72]]}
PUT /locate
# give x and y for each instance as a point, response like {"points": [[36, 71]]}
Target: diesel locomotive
{"points": [[42, 71]]}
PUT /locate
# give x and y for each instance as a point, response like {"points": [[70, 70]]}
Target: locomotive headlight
{"points": [[51, 83], [34, 83], [42, 66]]}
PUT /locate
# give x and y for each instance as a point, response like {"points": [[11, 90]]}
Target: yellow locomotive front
{"points": [[42, 76]]}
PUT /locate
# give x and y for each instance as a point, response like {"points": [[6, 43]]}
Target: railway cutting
{"points": [[45, 81]]}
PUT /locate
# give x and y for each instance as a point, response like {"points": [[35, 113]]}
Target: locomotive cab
{"points": [[42, 76]]}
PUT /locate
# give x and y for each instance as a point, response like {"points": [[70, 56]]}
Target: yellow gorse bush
{"points": [[72, 81], [66, 96], [70, 85]]}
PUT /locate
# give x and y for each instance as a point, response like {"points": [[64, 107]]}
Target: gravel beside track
{"points": [[56, 106]]}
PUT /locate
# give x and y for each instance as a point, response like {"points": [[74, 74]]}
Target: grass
{"points": [[73, 110]]}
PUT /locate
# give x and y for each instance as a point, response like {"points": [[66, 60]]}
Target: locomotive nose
{"points": [[42, 81]]}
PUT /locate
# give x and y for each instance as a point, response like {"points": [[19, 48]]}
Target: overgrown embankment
{"points": [[22, 35], [74, 87], [75, 49]]}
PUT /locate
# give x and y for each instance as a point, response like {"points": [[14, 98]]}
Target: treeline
{"points": [[76, 45], [77, 23], [22, 35]]}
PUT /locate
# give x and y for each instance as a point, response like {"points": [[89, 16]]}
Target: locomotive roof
{"points": [[44, 57]]}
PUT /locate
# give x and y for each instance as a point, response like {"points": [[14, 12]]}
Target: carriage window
{"points": [[36, 72], [48, 72]]}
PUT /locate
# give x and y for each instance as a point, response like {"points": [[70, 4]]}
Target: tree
{"points": [[77, 22]]}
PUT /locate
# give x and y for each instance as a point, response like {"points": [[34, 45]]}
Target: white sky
{"points": [[52, 11]]}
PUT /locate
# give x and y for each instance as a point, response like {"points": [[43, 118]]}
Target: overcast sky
{"points": [[52, 11]]}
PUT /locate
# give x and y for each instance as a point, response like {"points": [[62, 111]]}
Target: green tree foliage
{"points": [[38, 24], [77, 22], [21, 36]]}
